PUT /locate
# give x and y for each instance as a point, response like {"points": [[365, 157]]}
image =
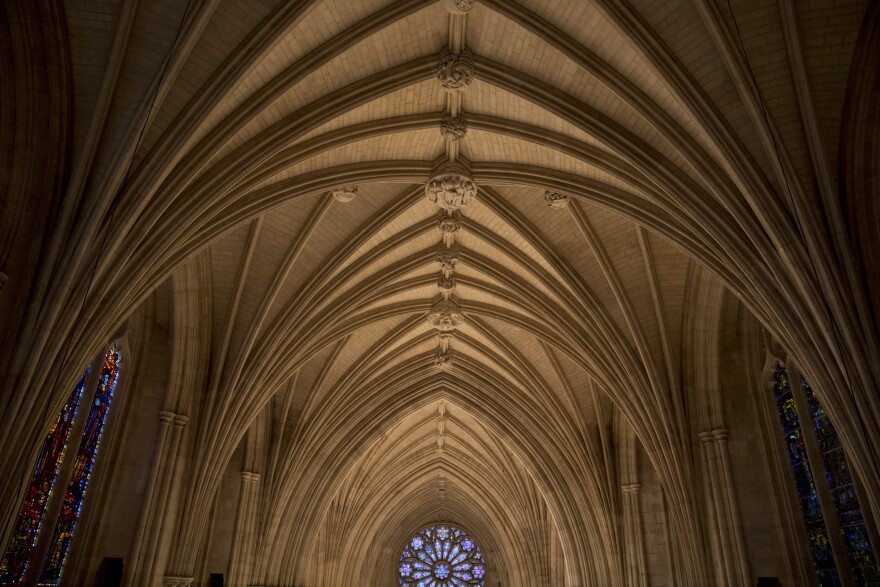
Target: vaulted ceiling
{"points": [[306, 317]]}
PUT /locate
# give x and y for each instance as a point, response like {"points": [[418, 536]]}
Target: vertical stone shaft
{"points": [[729, 494], [634, 536], [240, 571], [717, 506]]}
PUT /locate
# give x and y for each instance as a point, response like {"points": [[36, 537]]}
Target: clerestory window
{"points": [[838, 535], [50, 510]]}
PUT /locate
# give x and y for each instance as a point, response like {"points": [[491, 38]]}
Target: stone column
{"points": [[145, 549], [733, 558], [718, 510], [734, 524], [241, 557], [137, 550], [635, 546]]}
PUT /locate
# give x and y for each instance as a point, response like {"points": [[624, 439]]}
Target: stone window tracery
{"points": [[828, 501], [442, 555], [31, 543]]}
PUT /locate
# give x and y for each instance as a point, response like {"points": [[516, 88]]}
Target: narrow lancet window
{"points": [[36, 498], [42, 511], [72, 502], [810, 429]]}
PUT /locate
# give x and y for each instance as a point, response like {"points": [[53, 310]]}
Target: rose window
{"points": [[441, 556]]}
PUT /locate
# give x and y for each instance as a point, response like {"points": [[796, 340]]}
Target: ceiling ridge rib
{"points": [[232, 313], [211, 188], [588, 231], [282, 272], [292, 75]]}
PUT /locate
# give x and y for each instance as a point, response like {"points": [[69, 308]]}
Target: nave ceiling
{"points": [[200, 161]]}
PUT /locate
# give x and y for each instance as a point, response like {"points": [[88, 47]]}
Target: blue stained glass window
{"points": [[442, 556], [823, 556], [836, 470], [846, 502]]}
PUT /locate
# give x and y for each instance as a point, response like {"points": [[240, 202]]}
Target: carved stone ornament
{"points": [[446, 285], [453, 129], [446, 339], [445, 315], [456, 70], [443, 358], [556, 199], [345, 194], [451, 188], [460, 6], [177, 581], [448, 258], [449, 223]]}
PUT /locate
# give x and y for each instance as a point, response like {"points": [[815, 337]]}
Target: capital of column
{"points": [[720, 434], [630, 488], [169, 581], [250, 477], [707, 437], [180, 421], [166, 417]]}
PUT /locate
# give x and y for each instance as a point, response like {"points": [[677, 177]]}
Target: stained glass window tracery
{"points": [[846, 503], [30, 525], [72, 501], [442, 555], [36, 497], [834, 467]]}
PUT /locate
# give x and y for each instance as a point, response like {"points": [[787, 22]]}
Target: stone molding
{"points": [[630, 488], [171, 581], [250, 477], [716, 435]]}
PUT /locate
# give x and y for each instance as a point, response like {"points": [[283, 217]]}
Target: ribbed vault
{"points": [[291, 307]]}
